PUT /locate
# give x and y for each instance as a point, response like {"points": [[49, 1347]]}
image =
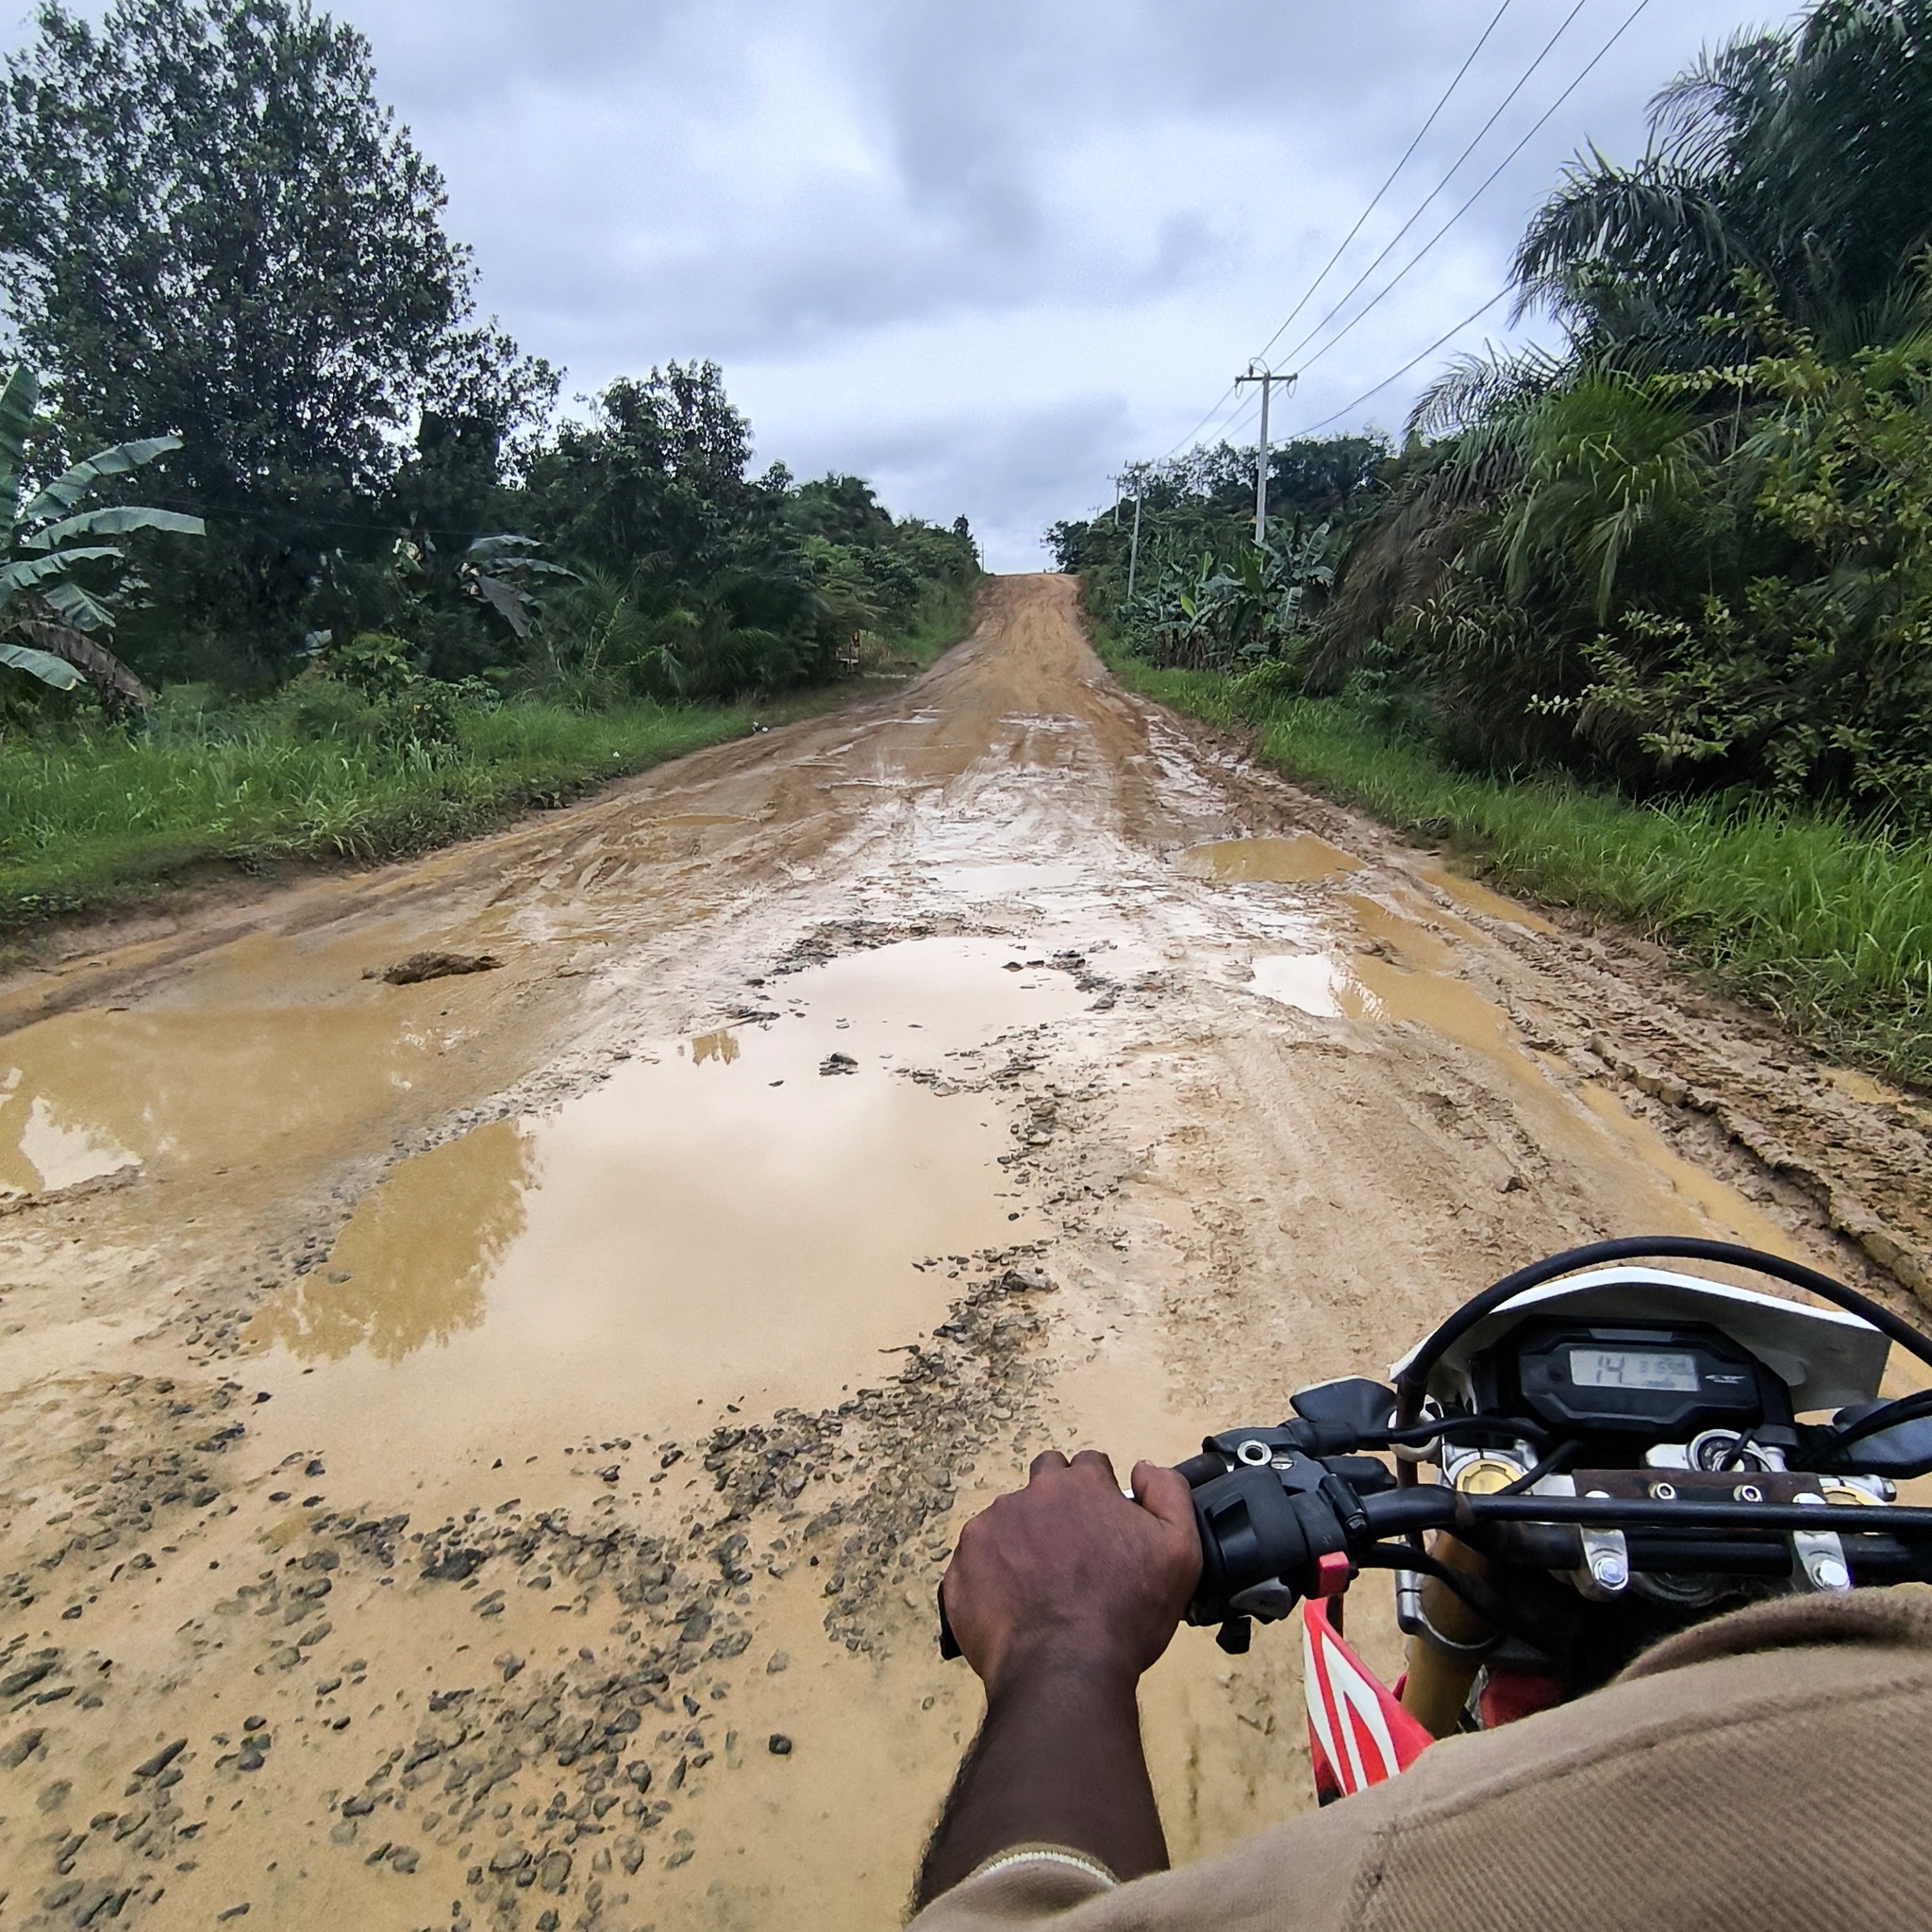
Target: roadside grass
{"points": [[943, 620], [103, 817], [96, 817], [1826, 921]]}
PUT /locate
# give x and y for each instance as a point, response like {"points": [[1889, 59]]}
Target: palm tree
{"points": [[1804, 156]]}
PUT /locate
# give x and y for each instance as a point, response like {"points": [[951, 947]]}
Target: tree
{"points": [[655, 479], [209, 224], [1804, 156]]}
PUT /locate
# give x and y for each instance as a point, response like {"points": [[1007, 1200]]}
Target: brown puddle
{"points": [[1300, 860], [87, 1093], [1367, 984], [1476, 898], [718, 1222], [1408, 935]]}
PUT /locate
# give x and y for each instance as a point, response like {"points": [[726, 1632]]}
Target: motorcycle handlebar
{"points": [[1354, 1529], [1432, 1506]]}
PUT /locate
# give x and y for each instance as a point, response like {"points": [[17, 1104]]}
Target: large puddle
{"points": [[1301, 860], [729, 1219]]}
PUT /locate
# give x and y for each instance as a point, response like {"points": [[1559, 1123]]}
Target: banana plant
{"points": [[48, 621], [491, 568]]}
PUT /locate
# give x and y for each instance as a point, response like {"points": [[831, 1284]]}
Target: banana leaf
{"points": [[87, 659], [78, 608], [23, 572], [511, 604], [65, 492], [41, 664], [114, 520], [19, 399]]}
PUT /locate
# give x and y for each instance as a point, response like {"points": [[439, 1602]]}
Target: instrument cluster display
{"points": [[1625, 1379]]}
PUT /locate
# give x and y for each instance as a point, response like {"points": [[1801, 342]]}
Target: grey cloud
{"points": [[953, 213], [1032, 466]]}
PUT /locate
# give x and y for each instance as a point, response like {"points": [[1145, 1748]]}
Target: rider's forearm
{"points": [[1058, 1761]]}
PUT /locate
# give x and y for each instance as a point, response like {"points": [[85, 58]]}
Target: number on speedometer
{"points": [[1623, 1368]]}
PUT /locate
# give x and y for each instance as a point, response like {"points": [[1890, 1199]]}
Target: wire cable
{"points": [[1488, 182], [1447, 335], [1903, 1408], [1233, 388], [1476, 141], [1537, 1471], [1376, 201]]}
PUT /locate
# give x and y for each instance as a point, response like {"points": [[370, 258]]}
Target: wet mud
{"points": [[479, 1451]]}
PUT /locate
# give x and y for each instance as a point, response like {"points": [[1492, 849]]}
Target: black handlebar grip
{"points": [[949, 1644], [1200, 1469]]}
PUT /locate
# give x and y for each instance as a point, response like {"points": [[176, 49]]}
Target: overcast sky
{"points": [[988, 251]]}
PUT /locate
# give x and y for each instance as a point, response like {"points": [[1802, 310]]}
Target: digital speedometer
{"points": [[1625, 1368], [1590, 1378]]}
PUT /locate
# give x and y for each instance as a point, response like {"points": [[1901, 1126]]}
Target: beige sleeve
{"points": [[1026, 1886], [1598, 1812]]}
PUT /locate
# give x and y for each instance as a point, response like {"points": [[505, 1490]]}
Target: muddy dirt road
{"points": [[479, 1452]]}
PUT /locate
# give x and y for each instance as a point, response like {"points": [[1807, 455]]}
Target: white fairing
{"points": [[1825, 1358]]}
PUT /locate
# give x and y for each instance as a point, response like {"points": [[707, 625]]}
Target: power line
{"points": [[1193, 434], [1476, 141], [1474, 316], [1376, 202], [1232, 390], [1371, 305], [1629, 20]]}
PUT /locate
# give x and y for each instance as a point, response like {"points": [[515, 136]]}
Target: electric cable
{"points": [[1375, 200], [1476, 141], [1548, 1466], [1447, 335], [1536, 127], [1904, 1408], [1442, 102]]}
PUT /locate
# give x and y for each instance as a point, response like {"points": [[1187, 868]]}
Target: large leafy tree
{"points": [[655, 479], [209, 224]]}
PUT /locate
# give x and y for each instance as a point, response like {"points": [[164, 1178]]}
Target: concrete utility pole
{"points": [[1134, 553], [1260, 373]]}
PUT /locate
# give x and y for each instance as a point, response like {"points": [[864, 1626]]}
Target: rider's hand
{"points": [[1068, 1571]]}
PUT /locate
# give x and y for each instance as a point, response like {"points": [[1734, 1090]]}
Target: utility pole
{"points": [[1258, 371], [1134, 553]]}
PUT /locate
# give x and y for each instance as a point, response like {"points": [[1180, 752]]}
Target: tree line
{"points": [[1689, 547], [219, 248]]}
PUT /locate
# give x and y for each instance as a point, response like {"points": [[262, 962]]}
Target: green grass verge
{"points": [[1823, 920], [93, 821], [101, 818], [943, 618]]}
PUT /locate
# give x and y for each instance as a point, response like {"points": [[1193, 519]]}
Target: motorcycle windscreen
{"points": [[1358, 1733]]}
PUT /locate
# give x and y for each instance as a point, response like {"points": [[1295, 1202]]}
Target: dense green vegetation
{"points": [[387, 572], [1690, 549], [1201, 592], [1646, 618]]}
